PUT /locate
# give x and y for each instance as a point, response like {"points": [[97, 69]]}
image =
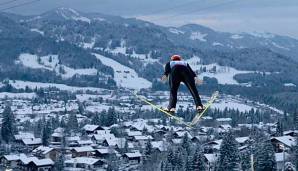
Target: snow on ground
{"points": [[217, 44], [89, 45], [87, 97], [289, 85], [236, 36], [22, 85], [17, 95], [51, 62], [175, 31], [198, 36], [37, 30], [223, 74], [279, 46], [69, 14], [262, 34], [123, 75], [146, 58], [231, 103]]}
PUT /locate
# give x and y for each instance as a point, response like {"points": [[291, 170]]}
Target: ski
{"points": [[198, 116], [161, 110]]}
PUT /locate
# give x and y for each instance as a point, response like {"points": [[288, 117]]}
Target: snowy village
{"points": [[152, 85]]}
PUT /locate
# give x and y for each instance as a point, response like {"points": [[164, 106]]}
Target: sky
{"points": [[274, 16]]}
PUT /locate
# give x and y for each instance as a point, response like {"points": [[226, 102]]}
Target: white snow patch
{"points": [[4, 95], [37, 30], [89, 45], [123, 75], [69, 14], [236, 36], [223, 74], [198, 36], [175, 31], [217, 44], [262, 34], [51, 62], [289, 85], [23, 84], [231, 103], [279, 46]]}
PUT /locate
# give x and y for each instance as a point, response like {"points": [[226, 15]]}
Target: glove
{"points": [[198, 81], [164, 78]]}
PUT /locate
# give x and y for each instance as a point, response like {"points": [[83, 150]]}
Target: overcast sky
{"points": [[276, 16]]}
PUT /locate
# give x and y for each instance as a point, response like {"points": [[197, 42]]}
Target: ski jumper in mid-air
{"points": [[178, 71]]}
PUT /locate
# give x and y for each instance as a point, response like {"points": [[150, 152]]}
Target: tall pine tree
{"points": [[198, 160], [264, 158], [229, 154], [8, 125]]}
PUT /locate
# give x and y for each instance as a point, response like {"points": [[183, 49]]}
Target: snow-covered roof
{"points": [[225, 126], [85, 142], [42, 149], [43, 162], [24, 135], [143, 137], [83, 160], [102, 137], [12, 157], [160, 145], [26, 159], [177, 140], [133, 155], [224, 119], [105, 151], [286, 140], [241, 139], [182, 133], [90, 127], [32, 141], [212, 158], [83, 149], [133, 133]]}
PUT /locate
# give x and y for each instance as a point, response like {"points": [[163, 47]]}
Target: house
{"points": [[40, 165], [283, 142], [56, 137], [281, 159], [180, 134], [23, 135], [91, 129], [210, 160], [132, 158], [105, 153], [10, 161], [293, 133], [103, 135], [84, 163], [85, 151], [31, 143], [46, 152], [142, 139], [159, 146], [242, 140]]}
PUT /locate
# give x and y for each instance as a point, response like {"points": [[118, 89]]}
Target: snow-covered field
{"points": [[223, 74], [4, 95], [123, 75], [23, 84], [51, 62], [198, 36]]}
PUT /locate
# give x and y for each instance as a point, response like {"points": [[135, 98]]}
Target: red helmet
{"points": [[176, 58]]}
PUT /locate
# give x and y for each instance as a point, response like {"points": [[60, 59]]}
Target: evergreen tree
{"points": [[198, 160], [59, 163], [229, 154], [46, 133], [245, 161], [186, 143], [148, 148], [111, 117], [189, 163], [95, 119], [72, 123], [265, 157], [279, 129], [8, 124], [296, 154]]}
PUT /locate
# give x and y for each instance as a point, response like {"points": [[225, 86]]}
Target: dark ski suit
{"points": [[180, 71]]}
